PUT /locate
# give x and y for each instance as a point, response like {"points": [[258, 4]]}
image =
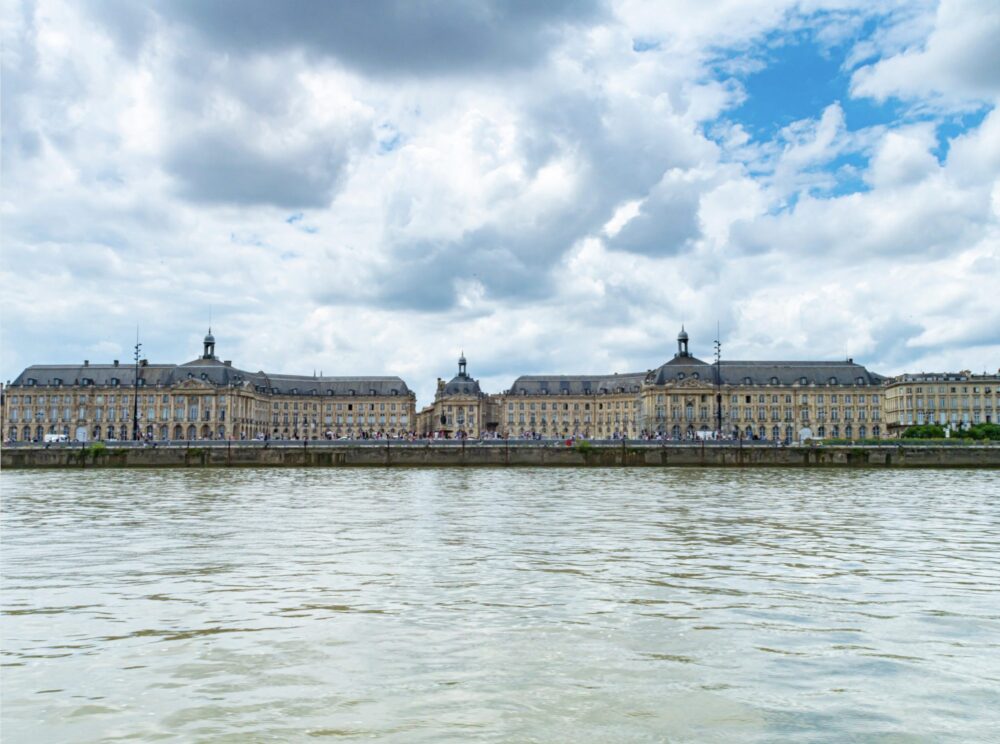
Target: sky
{"points": [[373, 188]]}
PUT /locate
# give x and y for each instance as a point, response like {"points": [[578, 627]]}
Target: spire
{"points": [[461, 365]]}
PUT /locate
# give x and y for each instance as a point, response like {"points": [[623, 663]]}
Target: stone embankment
{"points": [[494, 453]]}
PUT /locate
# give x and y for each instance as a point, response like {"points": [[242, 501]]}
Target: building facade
{"points": [[687, 398], [205, 398], [460, 409], [951, 399], [683, 399], [774, 400]]}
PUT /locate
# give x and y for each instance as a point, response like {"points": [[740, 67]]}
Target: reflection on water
{"points": [[501, 605]]}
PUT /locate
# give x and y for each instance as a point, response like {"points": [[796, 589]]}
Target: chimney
{"points": [[116, 362], [228, 362], [86, 362], [143, 362]]}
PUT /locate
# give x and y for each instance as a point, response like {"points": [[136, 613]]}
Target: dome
{"points": [[209, 339], [462, 385], [682, 336]]}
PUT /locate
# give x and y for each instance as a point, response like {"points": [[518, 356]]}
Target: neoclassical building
{"points": [[687, 397], [206, 398], [460, 408], [953, 399]]}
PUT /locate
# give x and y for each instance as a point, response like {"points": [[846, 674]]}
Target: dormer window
{"points": [[803, 381], [695, 376], [747, 381], [861, 380], [680, 375], [31, 382], [774, 380], [833, 380]]}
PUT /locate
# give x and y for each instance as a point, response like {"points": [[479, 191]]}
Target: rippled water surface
{"points": [[501, 605]]}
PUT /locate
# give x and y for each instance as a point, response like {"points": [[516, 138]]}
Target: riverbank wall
{"points": [[495, 453]]}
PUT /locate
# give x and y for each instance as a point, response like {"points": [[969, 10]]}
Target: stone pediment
{"points": [[193, 383], [689, 384]]}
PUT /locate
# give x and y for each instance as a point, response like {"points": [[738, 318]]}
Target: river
{"points": [[433, 605]]}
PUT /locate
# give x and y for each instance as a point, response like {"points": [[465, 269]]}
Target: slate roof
{"points": [[462, 385], [211, 371], [765, 373], [576, 384]]}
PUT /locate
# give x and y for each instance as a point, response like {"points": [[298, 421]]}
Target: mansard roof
{"points": [[211, 371], [577, 384], [327, 385], [765, 372], [462, 385]]}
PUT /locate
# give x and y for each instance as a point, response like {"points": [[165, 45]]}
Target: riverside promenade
{"points": [[452, 453]]}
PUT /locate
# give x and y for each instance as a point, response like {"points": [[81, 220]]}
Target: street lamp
{"points": [[718, 384], [135, 391]]}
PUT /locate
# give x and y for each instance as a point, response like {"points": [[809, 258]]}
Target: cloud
{"points": [[379, 37], [211, 167], [960, 59], [369, 188]]}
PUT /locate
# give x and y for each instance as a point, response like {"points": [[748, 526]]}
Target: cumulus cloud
{"points": [[370, 188], [960, 59]]}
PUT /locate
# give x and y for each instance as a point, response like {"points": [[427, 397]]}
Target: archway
{"points": [[206, 433], [178, 432], [191, 432]]}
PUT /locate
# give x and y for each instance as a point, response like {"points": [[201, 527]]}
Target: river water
{"points": [[501, 605]]}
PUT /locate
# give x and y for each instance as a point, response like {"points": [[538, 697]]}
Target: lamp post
{"points": [[135, 393], [718, 385]]}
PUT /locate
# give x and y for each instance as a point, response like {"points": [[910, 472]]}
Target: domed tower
{"points": [[682, 344], [209, 346]]}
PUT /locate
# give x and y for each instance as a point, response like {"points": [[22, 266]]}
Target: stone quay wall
{"points": [[495, 453]]}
